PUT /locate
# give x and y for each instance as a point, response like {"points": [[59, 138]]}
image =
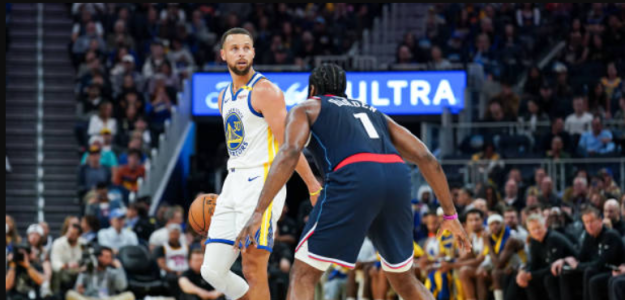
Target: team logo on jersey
{"points": [[235, 133]]}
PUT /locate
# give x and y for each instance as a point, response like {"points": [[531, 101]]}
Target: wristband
{"points": [[317, 192], [452, 217]]}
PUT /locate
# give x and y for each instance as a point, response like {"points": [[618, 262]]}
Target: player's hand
{"points": [[458, 232], [249, 232]]}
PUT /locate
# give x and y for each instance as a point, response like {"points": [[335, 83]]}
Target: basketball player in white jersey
{"points": [[254, 115]]}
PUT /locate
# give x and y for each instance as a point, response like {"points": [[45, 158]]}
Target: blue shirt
{"points": [[591, 143]]}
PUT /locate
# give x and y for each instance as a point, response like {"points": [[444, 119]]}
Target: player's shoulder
{"points": [[266, 87]]}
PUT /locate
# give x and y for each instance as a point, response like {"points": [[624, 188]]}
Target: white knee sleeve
{"points": [[218, 259]]}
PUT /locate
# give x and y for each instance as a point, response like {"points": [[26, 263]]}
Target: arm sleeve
{"points": [[55, 257], [120, 282], [159, 252]]}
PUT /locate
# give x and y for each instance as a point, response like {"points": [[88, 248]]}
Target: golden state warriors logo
{"points": [[235, 133]]}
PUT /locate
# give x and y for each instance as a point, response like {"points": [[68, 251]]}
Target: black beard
{"points": [[238, 72]]}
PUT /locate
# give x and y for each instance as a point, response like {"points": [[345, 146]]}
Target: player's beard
{"points": [[238, 71]]}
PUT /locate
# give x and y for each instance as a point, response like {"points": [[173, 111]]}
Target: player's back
{"points": [[348, 130]]}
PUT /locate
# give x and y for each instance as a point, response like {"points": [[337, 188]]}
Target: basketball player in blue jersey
{"points": [[254, 115], [366, 187]]}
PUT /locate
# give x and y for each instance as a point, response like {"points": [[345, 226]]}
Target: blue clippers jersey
{"points": [[346, 127]]}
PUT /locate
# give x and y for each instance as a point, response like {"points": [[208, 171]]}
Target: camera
{"points": [[18, 255], [89, 257]]}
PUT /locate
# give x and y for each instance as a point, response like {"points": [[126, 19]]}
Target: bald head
{"points": [[480, 204], [611, 210]]}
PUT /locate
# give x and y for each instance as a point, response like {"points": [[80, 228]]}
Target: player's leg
{"points": [[467, 278], [218, 259], [407, 285], [302, 281], [255, 271], [219, 252], [483, 281]]}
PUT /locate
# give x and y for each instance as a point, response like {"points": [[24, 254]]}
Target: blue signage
{"points": [[394, 93]]}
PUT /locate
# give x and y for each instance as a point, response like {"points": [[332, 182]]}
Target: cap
{"points": [[105, 131], [560, 68], [128, 58], [439, 211], [117, 213], [174, 226], [34, 228], [495, 218]]}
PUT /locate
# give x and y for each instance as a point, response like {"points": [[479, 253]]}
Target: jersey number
{"points": [[364, 119]]}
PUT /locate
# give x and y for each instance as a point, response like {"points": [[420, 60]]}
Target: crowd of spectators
{"points": [[530, 239]]}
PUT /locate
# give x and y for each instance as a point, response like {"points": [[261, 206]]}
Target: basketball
{"points": [[201, 211]]}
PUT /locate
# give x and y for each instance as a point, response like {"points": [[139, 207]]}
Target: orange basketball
{"points": [[201, 211]]}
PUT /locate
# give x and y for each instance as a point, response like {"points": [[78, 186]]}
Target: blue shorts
{"points": [[362, 199]]}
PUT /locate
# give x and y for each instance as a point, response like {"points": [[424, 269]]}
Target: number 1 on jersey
{"points": [[364, 119]]}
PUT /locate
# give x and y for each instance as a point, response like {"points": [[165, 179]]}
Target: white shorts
{"points": [[237, 202]]}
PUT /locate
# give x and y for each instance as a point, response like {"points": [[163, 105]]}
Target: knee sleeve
{"points": [[218, 259]]}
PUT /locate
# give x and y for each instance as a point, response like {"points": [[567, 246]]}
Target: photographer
{"points": [[600, 246], [24, 276], [65, 258], [102, 281]]}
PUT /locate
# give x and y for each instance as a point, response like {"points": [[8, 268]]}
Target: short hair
{"points": [[510, 209], [235, 30], [468, 191], [102, 248], [536, 217], [474, 211], [136, 152], [328, 79], [93, 222], [591, 210]]}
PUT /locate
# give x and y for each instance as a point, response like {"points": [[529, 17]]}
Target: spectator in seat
{"points": [[173, 215], [172, 257], [511, 219], [468, 263], [438, 62], [104, 119], [181, 59], [533, 82], [597, 141], [545, 247], [610, 186], [138, 221], [65, 258], [539, 174], [620, 114], [159, 109], [496, 113], [509, 100], [134, 144], [616, 284], [155, 60], [88, 41], [107, 156], [547, 195], [404, 56], [116, 237], [120, 36], [106, 281], [579, 121], [598, 101], [511, 195], [563, 90], [90, 226], [600, 246], [192, 285], [557, 151], [127, 175], [24, 275], [92, 173], [118, 80], [577, 195], [557, 129], [533, 116], [92, 100], [612, 85], [612, 217], [101, 206]]}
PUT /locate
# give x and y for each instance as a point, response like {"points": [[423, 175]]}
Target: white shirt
{"points": [[64, 253], [161, 236], [109, 237], [577, 125], [96, 125]]}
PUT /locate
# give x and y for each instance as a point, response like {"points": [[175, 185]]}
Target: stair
{"points": [[56, 171]]}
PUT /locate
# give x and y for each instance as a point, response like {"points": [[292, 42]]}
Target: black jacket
{"points": [[553, 247], [606, 248]]}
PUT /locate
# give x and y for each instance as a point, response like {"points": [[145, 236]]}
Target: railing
{"points": [[163, 159], [561, 171]]}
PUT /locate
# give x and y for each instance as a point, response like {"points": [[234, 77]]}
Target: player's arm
{"points": [[220, 98], [413, 150], [268, 99], [297, 132]]}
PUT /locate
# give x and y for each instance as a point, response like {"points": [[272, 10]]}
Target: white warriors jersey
{"points": [[249, 139]]}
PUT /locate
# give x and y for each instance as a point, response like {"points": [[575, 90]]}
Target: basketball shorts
{"points": [[361, 199], [237, 202]]}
